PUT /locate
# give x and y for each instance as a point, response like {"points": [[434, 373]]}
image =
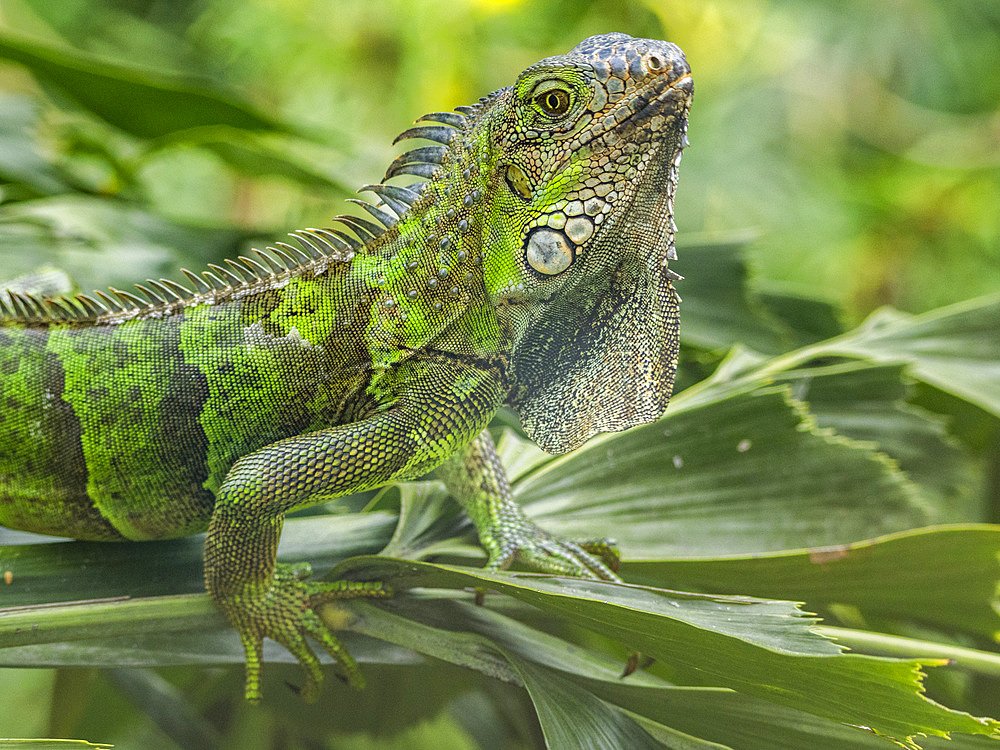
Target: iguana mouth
{"points": [[662, 142], [674, 99]]}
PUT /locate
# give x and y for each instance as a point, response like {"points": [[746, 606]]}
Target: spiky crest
{"points": [[315, 251]]}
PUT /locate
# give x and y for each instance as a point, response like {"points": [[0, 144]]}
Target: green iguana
{"points": [[527, 267]]}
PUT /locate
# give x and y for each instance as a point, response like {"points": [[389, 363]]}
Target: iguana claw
{"points": [[528, 544], [287, 613]]}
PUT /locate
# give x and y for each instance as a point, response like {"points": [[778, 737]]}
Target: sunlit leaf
{"points": [[971, 660]]}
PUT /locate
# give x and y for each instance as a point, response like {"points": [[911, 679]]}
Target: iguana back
{"points": [[127, 430]]}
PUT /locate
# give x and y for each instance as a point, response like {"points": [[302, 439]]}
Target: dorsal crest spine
{"points": [[315, 248]]}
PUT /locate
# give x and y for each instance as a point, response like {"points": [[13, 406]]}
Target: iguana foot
{"points": [[475, 477], [519, 540], [287, 613]]}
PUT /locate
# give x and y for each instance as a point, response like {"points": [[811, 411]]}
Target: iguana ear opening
{"points": [[601, 360]]}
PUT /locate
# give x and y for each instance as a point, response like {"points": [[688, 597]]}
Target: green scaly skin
{"points": [[529, 267]]}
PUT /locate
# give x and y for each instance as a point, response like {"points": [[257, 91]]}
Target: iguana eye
{"points": [[554, 102]]}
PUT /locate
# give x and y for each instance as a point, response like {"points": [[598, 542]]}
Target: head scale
{"points": [[587, 150]]}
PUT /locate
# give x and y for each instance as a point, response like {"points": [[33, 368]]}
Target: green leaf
{"points": [[882, 644], [476, 636], [60, 571], [954, 348], [809, 319], [752, 723], [22, 626], [718, 310], [574, 717], [747, 723], [764, 647], [102, 241], [146, 103], [166, 706], [254, 155], [868, 402], [947, 577], [758, 647], [22, 161], [429, 520], [746, 472], [44, 281]]}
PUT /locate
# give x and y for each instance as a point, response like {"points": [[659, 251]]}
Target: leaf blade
{"points": [[886, 695]]}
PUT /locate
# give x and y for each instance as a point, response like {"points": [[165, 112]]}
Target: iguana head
{"points": [[548, 204], [579, 230]]}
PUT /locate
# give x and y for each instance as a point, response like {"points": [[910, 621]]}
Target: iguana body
{"points": [[529, 268]]}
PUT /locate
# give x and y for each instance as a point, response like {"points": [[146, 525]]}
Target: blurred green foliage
{"points": [[856, 145], [858, 140]]}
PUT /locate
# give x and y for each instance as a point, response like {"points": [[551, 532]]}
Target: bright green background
{"points": [[856, 140], [845, 156]]}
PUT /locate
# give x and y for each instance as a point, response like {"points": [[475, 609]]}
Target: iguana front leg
{"points": [[476, 478], [440, 409]]}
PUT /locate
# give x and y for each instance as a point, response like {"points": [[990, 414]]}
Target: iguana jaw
{"points": [[649, 125], [651, 108], [664, 122]]}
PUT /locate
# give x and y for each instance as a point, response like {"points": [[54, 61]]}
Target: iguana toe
{"points": [[287, 613], [539, 550]]}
